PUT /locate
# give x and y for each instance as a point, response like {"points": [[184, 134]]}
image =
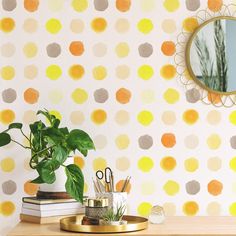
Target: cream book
{"points": [[46, 201], [33, 212]]}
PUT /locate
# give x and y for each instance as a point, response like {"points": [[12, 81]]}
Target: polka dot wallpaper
{"points": [[108, 67]]}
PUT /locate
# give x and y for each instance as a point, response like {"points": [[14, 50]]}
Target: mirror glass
{"points": [[211, 55]]}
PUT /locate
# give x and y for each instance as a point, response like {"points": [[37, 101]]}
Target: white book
{"points": [[52, 206], [52, 212]]}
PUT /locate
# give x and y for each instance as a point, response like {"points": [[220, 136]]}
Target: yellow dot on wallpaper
{"points": [[7, 72], [55, 96], [190, 208], [55, 5], [30, 188], [57, 114], [7, 116], [190, 24], [99, 116], [99, 24], [171, 5], [122, 50], [76, 72], [7, 208], [145, 72], [144, 209], [171, 187], [53, 26], [79, 5], [7, 164], [122, 141], [79, 96], [145, 164], [53, 72], [99, 72], [86, 187], [148, 5], [168, 71], [232, 209], [168, 163], [30, 50], [171, 96], [148, 96], [7, 25], [232, 117], [148, 187], [191, 164], [79, 161], [214, 141], [232, 164], [190, 116], [145, 117], [145, 26], [99, 164]]}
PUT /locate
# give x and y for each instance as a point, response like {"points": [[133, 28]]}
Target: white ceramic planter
{"points": [[59, 184]]}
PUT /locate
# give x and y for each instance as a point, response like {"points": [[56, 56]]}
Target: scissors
{"points": [[107, 175]]}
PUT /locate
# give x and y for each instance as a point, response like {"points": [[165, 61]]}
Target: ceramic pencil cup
{"points": [[115, 199]]}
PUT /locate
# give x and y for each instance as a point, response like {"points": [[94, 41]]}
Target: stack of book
{"points": [[45, 211]]}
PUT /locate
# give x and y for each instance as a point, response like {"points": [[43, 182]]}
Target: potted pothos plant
{"points": [[50, 146]]}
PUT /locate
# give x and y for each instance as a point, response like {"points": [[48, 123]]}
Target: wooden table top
{"points": [[175, 225]]}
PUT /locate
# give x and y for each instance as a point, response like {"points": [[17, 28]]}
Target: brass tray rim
{"points": [[137, 223]]}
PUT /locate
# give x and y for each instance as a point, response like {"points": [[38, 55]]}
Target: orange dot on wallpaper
{"points": [[215, 187], [31, 95], [190, 116], [190, 24], [123, 95], [76, 48], [76, 72], [99, 116], [31, 5], [214, 98], [168, 140], [123, 5], [168, 163], [99, 24], [214, 5], [120, 184], [190, 208], [168, 48], [7, 25], [30, 188], [7, 208], [7, 116], [168, 71], [79, 161]]}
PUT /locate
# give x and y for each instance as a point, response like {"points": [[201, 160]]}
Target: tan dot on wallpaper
{"points": [[122, 141], [101, 5], [100, 141], [8, 50], [148, 187], [122, 163], [122, 25], [99, 49], [77, 26], [9, 187], [191, 141], [214, 117], [29, 116], [30, 72], [148, 96], [169, 208], [168, 26], [55, 5], [213, 209], [147, 5], [55, 96], [30, 25], [122, 71], [26, 164], [122, 117], [214, 163], [9, 5], [168, 117], [77, 117], [99, 164]]}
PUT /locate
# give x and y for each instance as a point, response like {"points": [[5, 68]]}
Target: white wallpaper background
{"points": [[108, 67]]}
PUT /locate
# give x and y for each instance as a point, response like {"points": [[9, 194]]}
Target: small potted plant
{"points": [[50, 147], [114, 217]]}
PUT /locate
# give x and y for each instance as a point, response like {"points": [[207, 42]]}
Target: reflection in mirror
{"points": [[211, 55]]}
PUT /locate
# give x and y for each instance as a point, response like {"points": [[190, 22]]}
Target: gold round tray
{"points": [[73, 223]]}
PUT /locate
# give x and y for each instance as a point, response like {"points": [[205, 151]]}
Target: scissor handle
{"points": [[108, 175], [99, 174]]}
